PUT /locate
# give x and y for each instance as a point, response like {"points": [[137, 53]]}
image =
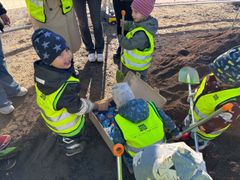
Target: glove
{"points": [[87, 106]]}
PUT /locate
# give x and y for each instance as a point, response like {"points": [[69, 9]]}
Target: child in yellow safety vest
{"points": [[58, 88], [217, 89], [138, 44], [138, 123]]}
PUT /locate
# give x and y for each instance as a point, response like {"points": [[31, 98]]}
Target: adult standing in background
{"points": [[58, 16], [120, 5], [8, 87], [95, 52]]}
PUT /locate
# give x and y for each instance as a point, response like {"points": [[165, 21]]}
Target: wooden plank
{"points": [[142, 90]]}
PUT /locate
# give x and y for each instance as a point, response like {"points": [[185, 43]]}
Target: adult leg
{"points": [[80, 8], [118, 7], [95, 13], [7, 82], [4, 102]]}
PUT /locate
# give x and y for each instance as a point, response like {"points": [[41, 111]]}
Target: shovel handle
{"points": [[224, 108], [118, 150], [123, 13]]}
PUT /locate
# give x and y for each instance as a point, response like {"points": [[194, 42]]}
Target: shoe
{"points": [[7, 164], [201, 144], [4, 141], [100, 57], [91, 57], [7, 109], [23, 91], [75, 148]]}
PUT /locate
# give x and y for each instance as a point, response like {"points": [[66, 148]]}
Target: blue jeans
{"points": [[8, 87], [95, 11]]}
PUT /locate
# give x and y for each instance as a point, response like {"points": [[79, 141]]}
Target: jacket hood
{"points": [[48, 78], [135, 110], [150, 24]]}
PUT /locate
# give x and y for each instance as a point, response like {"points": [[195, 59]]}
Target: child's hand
{"points": [[122, 23]]}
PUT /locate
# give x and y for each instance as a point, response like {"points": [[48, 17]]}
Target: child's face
{"points": [[64, 60], [137, 17]]}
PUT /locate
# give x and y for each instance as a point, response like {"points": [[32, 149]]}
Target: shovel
{"points": [[120, 75], [118, 150], [189, 75], [226, 107]]}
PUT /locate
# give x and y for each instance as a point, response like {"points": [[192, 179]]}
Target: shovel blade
{"points": [[119, 76], [188, 75]]}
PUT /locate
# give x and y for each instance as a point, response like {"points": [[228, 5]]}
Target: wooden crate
{"points": [[141, 90]]}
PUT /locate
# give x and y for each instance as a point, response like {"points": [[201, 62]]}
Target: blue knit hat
{"points": [[48, 44], [226, 67]]}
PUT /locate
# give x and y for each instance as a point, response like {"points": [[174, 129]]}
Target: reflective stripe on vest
{"points": [[36, 8], [59, 121], [205, 104], [135, 59], [143, 134], [64, 127], [136, 150], [212, 135]]}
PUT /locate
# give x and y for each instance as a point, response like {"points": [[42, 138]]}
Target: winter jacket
{"points": [[136, 111], [54, 79], [2, 10], [139, 40]]}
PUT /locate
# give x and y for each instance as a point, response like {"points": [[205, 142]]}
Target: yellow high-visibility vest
{"points": [[143, 134], [135, 59], [36, 8], [59, 121], [206, 104]]}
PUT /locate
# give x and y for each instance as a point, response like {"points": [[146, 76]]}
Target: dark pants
{"points": [[95, 11], [118, 7]]}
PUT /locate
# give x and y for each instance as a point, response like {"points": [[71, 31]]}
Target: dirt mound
{"points": [[197, 51]]}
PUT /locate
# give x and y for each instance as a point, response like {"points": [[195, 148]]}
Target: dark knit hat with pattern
{"points": [[48, 44], [226, 67]]}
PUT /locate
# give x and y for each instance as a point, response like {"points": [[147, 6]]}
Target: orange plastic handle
{"points": [[118, 150], [227, 107], [123, 13]]}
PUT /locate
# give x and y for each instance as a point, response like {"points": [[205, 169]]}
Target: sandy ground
{"points": [[187, 35]]}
